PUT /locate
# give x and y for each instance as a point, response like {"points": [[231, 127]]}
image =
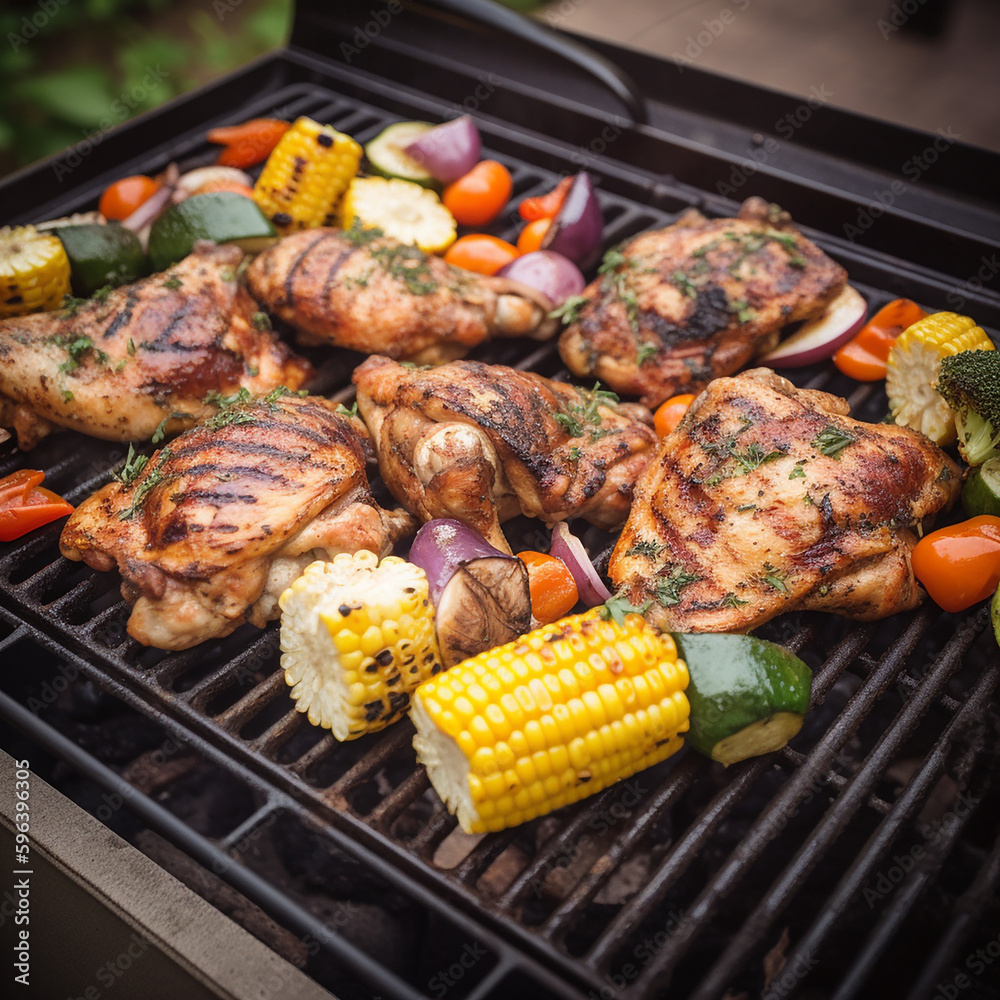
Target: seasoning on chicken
{"points": [[484, 443], [215, 526], [677, 307], [117, 366], [359, 289], [767, 499]]}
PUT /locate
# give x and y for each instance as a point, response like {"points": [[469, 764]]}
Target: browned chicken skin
{"points": [[223, 519], [380, 296], [115, 368], [484, 443], [767, 499], [680, 306]]}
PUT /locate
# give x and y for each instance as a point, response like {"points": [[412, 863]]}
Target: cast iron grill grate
{"points": [[684, 875]]}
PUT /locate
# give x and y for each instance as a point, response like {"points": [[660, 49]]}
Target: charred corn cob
{"points": [[401, 209], [306, 175], [34, 271], [357, 637], [561, 713], [913, 371]]}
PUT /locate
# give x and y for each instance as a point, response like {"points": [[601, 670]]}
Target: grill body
{"points": [[813, 871]]}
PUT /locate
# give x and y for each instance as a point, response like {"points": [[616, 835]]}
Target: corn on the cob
{"points": [[561, 713], [913, 369], [34, 271], [306, 175], [401, 209], [357, 637]]}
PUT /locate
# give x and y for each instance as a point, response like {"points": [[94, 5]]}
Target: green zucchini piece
{"points": [[981, 493], [748, 696], [995, 614], [101, 255], [387, 159]]}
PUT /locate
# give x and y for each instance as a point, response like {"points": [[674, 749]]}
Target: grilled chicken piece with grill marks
{"points": [[484, 443], [766, 499], [217, 524], [115, 368], [373, 294], [677, 307]]}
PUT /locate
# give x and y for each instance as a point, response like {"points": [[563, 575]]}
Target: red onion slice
{"points": [[447, 151], [552, 274], [578, 226], [567, 547]]}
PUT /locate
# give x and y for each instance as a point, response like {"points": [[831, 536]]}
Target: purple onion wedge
{"points": [[480, 594], [447, 151], [552, 274], [578, 226], [567, 547]]}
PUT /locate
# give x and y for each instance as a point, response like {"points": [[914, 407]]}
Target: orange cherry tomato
{"points": [[545, 206], [479, 196], [960, 566], [553, 589], [530, 238], [248, 144], [123, 197], [865, 358], [481, 253], [670, 414], [24, 505]]}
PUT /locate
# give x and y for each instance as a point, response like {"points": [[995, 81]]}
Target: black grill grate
{"points": [[685, 875]]}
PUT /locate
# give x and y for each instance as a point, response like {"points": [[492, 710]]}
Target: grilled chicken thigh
{"points": [[115, 368], [766, 499], [675, 308], [373, 294], [218, 523], [484, 443]]}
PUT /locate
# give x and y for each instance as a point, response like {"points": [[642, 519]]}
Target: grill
{"points": [[818, 871]]}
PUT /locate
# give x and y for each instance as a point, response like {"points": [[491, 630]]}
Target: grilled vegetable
{"points": [[555, 276], [981, 492], [479, 196], [357, 637], [577, 227], [387, 157], [481, 253], [554, 592], [748, 697], [481, 595], [102, 255], [865, 357], [448, 151], [24, 505], [401, 209], [34, 271], [545, 206], [122, 198], [970, 384], [669, 414], [248, 144], [567, 547], [204, 180], [960, 565], [306, 176], [533, 235], [819, 338], [549, 719], [913, 366], [995, 615], [222, 217]]}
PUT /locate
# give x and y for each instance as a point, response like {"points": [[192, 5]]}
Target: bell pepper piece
{"points": [[960, 565]]}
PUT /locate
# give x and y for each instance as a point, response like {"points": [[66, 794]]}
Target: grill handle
{"points": [[504, 19]]}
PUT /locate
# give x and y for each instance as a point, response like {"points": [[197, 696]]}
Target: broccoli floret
{"points": [[970, 384]]}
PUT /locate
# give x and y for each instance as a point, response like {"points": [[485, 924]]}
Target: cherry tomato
{"points": [[670, 414], [481, 253], [553, 589], [24, 505], [532, 235], [545, 206], [865, 357], [123, 197], [479, 196], [248, 144], [960, 566]]}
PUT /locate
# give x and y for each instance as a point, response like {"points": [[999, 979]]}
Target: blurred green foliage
{"points": [[70, 67]]}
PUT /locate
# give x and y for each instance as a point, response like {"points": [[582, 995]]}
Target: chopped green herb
{"points": [[343, 411], [797, 473], [102, 293], [684, 283], [359, 236], [414, 366], [648, 549], [77, 348], [407, 264], [746, 507], [732, 601], [134, 464], [130, 346], [585, 414], [668, 589], [67, 396], [160, 433], [227, 274], [173, 283], [569, 311], [71, 306], [261, 321], [646, 351], [617, 607], [832, 441], [775, 578], [612, 260], [150, 478], [574, 454]]}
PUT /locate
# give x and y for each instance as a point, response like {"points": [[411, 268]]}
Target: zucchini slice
{"points": [[748, 696], [387, 159]]}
